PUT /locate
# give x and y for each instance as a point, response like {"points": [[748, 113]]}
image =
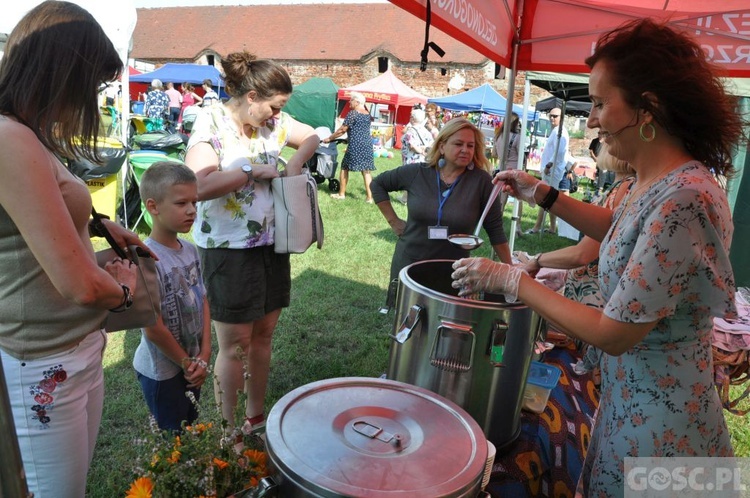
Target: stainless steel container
{"points": [[475, 353], [373, 438]]}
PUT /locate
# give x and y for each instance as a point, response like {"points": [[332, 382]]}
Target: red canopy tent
{"points": [[386, 88], [557, 35], [136, 88]]}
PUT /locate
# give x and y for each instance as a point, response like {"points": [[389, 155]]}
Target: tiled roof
{"points": [[322, 32]]}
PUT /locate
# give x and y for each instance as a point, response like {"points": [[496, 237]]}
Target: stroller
{"points": [[188, 118], [322, 165]]}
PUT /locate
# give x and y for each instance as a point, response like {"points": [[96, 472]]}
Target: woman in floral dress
{"points": [[664, 267], [234, 150]]}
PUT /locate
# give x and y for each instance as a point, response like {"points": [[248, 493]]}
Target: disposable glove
{"points": [[472, 275], [519, 184]]}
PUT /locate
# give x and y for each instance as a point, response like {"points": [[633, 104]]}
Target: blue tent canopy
{"points": [[481, 99], [182, 73]]}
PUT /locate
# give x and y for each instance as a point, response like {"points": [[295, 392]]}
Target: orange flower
{"points": [[175, 457], [257, 458], [221, 464], [141, 488]]}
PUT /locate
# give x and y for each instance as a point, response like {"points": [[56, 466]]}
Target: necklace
{"points": [[443, 178]]}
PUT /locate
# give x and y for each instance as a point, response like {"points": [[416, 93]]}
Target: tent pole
{"points": [[516, 218], [503, 152], [124, 132], [12, 475]]}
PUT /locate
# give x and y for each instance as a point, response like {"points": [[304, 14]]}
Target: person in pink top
{"points": [[175, 105], [189, 98]]}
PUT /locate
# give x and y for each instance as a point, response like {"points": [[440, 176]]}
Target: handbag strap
{"points": [[102, 231]]}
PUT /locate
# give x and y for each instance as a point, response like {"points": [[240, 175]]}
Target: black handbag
{"points": [[573, 178], [146, 306]]}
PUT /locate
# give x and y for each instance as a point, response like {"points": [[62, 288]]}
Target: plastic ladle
{"points": [[469, 242]]}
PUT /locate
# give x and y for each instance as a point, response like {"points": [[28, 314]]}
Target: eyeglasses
{"points": [[557, 116]]}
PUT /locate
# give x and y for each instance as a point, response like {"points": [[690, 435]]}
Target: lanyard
{"points": [[442, 197]]}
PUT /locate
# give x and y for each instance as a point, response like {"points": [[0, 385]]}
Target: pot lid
{"points": [[370, 437]]}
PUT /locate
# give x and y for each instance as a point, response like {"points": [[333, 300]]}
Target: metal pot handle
{"points": [[267, 488], [410, 321], [451, 351]]}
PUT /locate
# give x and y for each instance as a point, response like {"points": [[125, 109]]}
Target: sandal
{"points": [[339, 197], [531, 231]]}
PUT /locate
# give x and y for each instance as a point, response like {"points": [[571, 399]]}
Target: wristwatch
{"points": [[248, 171]]}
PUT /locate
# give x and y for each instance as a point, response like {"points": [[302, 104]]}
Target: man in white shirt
{"points": [[554, 160]]}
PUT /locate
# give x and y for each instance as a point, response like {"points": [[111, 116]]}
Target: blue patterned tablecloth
{"points": [[547, 457]]}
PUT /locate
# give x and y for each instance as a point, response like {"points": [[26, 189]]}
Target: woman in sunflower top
{"points": [[234, 151]]}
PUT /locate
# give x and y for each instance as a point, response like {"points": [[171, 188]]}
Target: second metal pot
{"points": [[474, 353]]}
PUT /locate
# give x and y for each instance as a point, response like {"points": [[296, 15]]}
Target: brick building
{"points": [[349, 43]]}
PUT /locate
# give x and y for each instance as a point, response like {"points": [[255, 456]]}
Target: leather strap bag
{"points": [[298, 221], [146, 306]]}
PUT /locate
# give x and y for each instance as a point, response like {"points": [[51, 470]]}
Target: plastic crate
{"points": [[540, 382]]}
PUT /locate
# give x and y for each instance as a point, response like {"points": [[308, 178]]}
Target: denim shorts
{"points": [[564, 183], [244, 285]]}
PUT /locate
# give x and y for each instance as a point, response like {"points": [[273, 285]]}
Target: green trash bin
{"points": [[140, 160]]}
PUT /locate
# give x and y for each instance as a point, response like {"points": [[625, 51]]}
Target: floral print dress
{"points": [[243, 218], [582, 283], [417, 137], [665, 258]]}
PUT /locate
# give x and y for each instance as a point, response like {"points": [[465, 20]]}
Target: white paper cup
{"points": [[488, 465]]}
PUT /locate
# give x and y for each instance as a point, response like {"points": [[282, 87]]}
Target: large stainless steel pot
{"points": [[374, 438], [474, 353]]}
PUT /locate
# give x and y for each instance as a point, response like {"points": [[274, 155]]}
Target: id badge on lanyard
{"points": [[438, 231]]}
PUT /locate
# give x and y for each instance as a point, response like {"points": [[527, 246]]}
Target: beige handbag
{"points": [[298, 221], [146, 306]]}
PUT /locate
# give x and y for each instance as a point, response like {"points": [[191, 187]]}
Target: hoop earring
{"points": [[643, 135], [441, 162]]}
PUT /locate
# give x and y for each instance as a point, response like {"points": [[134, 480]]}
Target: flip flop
{"points": [[531, 231], [338, 196]]}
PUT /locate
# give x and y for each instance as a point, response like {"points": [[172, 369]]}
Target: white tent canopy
{"points": [[116, 18]]}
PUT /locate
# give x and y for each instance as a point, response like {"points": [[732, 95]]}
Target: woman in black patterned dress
{"points": [[359, 153]]}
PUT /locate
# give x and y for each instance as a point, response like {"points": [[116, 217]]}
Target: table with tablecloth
{"points": [[547, 457]]}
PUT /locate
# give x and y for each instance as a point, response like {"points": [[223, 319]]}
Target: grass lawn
{"points": [[332, 328]]}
